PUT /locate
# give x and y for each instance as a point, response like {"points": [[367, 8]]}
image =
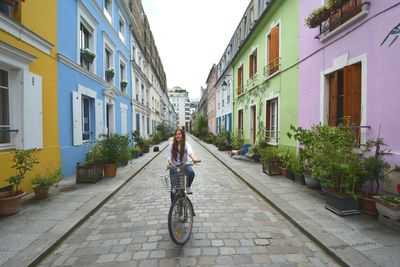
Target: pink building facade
{"points": [[211, 99], [365, 74]]}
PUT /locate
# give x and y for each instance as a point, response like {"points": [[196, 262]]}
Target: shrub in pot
{"points": [[376, 169], [336, 160], [270, 160], [298, 170], [237, 142], [115, 152], [23, 162], [388, 206], [135, 152], [146, 146], [285, 159], [42, 182], [92, 170]]}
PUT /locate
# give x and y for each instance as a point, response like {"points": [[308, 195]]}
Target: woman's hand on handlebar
{"points": [[196, 161]]}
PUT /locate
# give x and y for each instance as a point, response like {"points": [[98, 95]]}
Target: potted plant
{"points": [[317, 16], [115, 152], [92, 170], [146, 146], [135, 151], [270, 160], [110, 74], [23, 162], [42, 182], [285, 159], [388, 206], [336, 159], [124, 84], [298, 170], [88, 55], [376, 169]]}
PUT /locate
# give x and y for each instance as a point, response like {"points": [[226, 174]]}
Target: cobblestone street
{"points": [[233, 226]]}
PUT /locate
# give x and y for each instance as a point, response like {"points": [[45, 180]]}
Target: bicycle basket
{"points": [[178, 181]]}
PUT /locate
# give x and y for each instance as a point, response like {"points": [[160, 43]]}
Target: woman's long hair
{"points": [[175, 144]]}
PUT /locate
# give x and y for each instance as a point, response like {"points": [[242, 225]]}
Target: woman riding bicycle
{"points": [[178, 152]]}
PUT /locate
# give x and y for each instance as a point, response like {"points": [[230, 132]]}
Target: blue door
{"points": [[138, 122]]}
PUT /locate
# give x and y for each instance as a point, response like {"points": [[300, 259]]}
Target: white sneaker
{"points": [[189, 190]]}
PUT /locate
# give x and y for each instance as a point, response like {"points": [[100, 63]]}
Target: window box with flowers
{"points": [[317, 16], [124, 84], [87, 55], [110, 74]]}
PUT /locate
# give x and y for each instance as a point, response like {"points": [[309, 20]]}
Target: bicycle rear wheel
{"points": [[180, 220]]}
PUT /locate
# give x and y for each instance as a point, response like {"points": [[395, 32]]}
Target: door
{"points": [[253, 124]]}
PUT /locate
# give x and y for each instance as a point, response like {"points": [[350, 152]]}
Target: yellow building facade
{"points": [[28, 85]]}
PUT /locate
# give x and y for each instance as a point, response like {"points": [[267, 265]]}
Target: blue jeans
{"points": [[190, 177]]}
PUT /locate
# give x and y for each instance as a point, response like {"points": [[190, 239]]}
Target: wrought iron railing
{"points": [[357, 134], [342, 14], [272, 136], [272, 67], [252, 80], [240, 89]]}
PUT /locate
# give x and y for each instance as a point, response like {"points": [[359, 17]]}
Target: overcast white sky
{"points": [[191, 35]]}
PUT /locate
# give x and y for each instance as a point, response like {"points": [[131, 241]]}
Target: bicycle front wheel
{"points": [[180, 220]]}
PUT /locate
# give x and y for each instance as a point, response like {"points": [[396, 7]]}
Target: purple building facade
{"points": [[345, 53]]}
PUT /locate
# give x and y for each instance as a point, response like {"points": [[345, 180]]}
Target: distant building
{"points": [[179, 98]]}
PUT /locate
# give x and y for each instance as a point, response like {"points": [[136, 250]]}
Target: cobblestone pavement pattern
{"points": [[233, 226]]}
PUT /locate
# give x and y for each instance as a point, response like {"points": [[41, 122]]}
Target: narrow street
{"points": [[233, 226]]}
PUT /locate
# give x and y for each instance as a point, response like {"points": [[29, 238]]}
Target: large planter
{"points": [[299, 178], [368, 206], [11, 205], [146, 150], [256, 157], [110, 170], [290, 175], [340, 204], [41, 192], [283, 171], [387, 210], [88, 173], [271, 167], [312, 183]]}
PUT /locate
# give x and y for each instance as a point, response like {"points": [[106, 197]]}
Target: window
{"points": [[240, 80], [122, 74], [137, 88], [121, 27], [86, 120], [142, 95], [228, 93], [5, 126], [273, 62], [272, 121], [85, 36], [240, 122], [253, 64], [345, 96], [133, 52], [108, 61], [108, 10], [110, 118]]}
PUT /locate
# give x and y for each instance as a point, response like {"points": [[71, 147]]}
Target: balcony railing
{"points": [[357, 134], [240, 89], [272, 67], [271, 137], [252, 80], [342, 14]]}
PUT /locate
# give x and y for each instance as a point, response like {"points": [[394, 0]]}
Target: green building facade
{"points": [[265, 76]]}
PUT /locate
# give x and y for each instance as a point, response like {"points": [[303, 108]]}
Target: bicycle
{"points": [[180, 216]]}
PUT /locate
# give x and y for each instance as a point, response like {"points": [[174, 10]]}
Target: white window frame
{"points": [[8, 88], [107, 43], [108, 15], [125, 74], [121, 34], [89, 118], [276, 119], [273, 24], [85, 17]]}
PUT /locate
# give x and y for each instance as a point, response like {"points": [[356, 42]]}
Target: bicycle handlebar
{"points": [[189, 163]]}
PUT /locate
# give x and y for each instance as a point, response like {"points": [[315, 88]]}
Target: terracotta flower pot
{"points": [[368, 206], [41, 192], [110, 170], [11, 205]]}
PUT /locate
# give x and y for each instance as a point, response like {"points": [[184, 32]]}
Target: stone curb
{"points": [[341, 252], [33, 254]]}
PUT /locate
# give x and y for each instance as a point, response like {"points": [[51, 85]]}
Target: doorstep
{"points": [[27, 237], [356, 240]]}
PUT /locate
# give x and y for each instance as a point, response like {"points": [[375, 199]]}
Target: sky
{"points": [[191, 36]]}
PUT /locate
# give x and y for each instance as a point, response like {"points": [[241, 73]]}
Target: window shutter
{"points": [[333, 99], [32, 110], [124, 119], [77, 118], [274, 49], [255, 62], [251, 66], [352, 93], [99, 117]]}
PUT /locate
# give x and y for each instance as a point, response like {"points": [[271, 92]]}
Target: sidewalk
{"points": [[42, 225], [357, 240]]}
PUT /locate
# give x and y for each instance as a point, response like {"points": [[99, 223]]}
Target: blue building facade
{"points": [[94, 94]]}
